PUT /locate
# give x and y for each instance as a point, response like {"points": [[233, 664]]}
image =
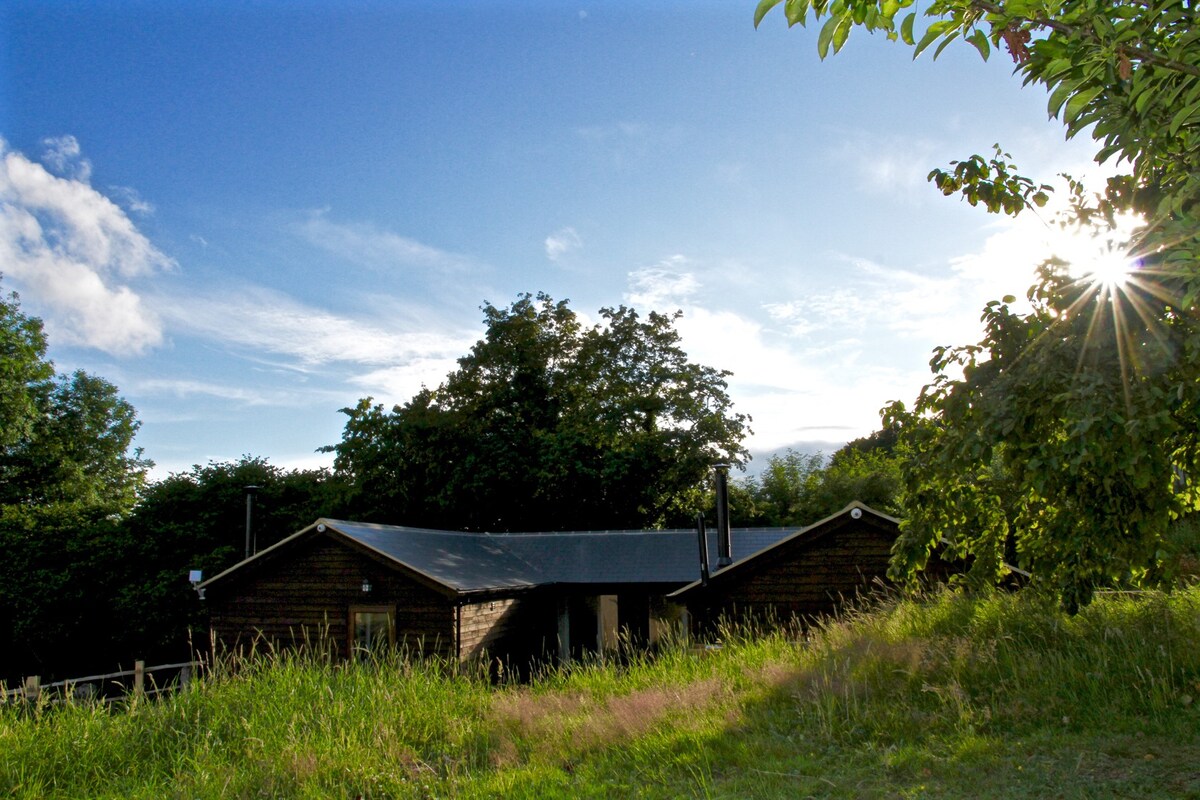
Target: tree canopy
{"points": [[68, 473], [196, 520], [796, 488], [1049, 450], [1067, 438], [548, 425]]}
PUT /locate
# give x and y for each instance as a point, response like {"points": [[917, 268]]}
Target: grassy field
{"points": [[943, 697]]}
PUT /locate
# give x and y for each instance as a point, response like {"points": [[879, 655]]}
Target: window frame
{"points": [[352, 646]]}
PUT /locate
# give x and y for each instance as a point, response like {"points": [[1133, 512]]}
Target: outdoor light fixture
{"points": [[366, 584], [195, 577]]}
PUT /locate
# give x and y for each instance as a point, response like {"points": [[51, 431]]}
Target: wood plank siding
{"points": [[508, 628], [305, 595], [801, 580]]}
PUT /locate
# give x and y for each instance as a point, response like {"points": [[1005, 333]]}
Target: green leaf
{"points": [[840, 33], [980, 40], [796, 12], [946, 43], [1139, 103], [1078, 102], [826, 36], [906, 28], [931, 35], [1181, 118], [763, 7], [1059, 96]]}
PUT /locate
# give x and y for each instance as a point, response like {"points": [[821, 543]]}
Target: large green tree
{"points": [[1067, 438], [547, 425], [1058, 442], [68, 473]]}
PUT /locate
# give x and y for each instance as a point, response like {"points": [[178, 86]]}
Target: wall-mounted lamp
{"points": [[195, 577], [366, 585]]}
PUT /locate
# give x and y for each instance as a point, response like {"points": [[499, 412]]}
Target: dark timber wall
{"points": [[304, 595], [802, 579], [510, 628]]}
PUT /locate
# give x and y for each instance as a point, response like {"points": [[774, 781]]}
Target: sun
{"points": [[1111, 270], [1100, 257], [1120, 298]]}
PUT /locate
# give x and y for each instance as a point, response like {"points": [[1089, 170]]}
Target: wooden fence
{"points": [[137, 682]]}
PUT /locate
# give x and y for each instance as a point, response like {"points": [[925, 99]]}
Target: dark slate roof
{"points": [[477, 562], [462, 561], [634, 557]]}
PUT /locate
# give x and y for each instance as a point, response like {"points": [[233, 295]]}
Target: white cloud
{"points": [[131, 200], [396, 385], [369, 246], [70, 249], [664, 286], [790, 395], [268, 321], [241, 395], [792, 391], [561, 242], [889, 164], [883, 304], [625, 142], [65, 157]]}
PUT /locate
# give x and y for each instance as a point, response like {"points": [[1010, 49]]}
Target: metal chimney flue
{"points": [[251, 544], [703, 536], [724, 538]]}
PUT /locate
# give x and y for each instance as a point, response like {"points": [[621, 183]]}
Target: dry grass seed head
{"points": [[552, 724]]}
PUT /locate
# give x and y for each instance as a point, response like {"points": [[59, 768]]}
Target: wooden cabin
{"points": [[351, 587]]}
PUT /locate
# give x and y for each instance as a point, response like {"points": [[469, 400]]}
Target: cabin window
{"points": [[372, 630]]}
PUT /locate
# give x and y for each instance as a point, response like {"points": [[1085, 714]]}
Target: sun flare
{"points": [[1111, 270], [1119, 296], [1100, 257]]}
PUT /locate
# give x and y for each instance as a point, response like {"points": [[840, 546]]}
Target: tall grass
{"points": [[944, 696]]}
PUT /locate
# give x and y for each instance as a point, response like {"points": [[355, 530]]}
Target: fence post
{"points": [[33, 689], [139, 678], [185, 676]]}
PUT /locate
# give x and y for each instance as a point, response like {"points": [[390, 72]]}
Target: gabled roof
{"points": [[449, 561], [805, 536], [464, 563]]}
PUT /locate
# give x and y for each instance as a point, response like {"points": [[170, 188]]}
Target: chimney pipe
{"points": [[724, 539], [703, 549], [251, 544]]}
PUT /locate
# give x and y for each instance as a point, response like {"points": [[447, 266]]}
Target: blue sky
{"points": [[249, 215]]}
